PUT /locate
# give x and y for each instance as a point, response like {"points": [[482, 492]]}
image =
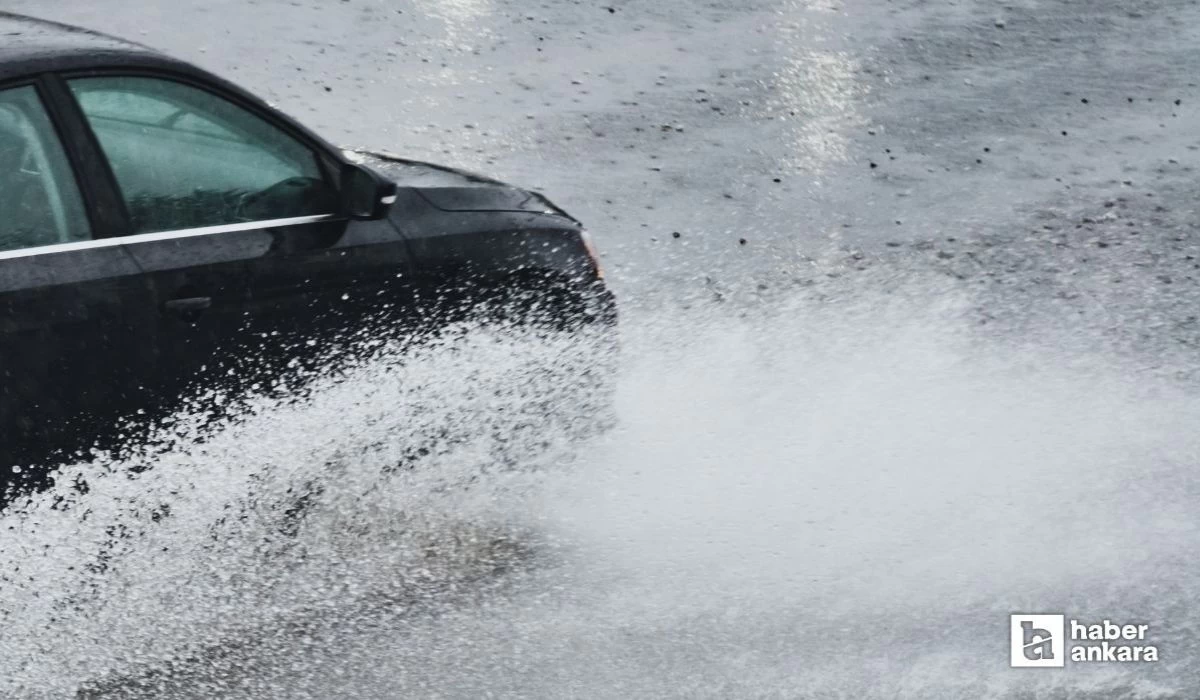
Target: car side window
{"points": [[39, 197], [186, 158]]}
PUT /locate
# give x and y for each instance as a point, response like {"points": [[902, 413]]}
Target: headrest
{"points": [[14, 133]]}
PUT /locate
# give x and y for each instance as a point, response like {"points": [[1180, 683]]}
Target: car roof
{"points": [[29, 46]]}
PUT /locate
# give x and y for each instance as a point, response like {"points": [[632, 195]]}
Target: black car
{"points": [[157, 221]]}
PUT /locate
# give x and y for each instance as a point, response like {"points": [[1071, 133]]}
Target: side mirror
{"points": [[366, 195]]}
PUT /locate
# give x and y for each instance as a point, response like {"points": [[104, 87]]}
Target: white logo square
{"points": [[1038, 641]]}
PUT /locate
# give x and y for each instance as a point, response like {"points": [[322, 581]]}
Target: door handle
{"points": [[188, 305]]}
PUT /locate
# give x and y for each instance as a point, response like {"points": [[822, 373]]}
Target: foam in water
{"points": [[838, 494]]}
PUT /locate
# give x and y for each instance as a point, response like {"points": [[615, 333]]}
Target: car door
{"points": [[74, 346], [235, 220]]}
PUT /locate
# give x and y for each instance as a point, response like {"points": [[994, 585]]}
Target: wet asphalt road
{"points": [[791, 124], [1038, 154]]}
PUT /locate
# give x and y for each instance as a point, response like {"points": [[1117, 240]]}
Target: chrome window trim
{"points": [[163, 236]]}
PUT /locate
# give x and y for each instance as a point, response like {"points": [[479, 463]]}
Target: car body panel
{"points": [[59, 313], [432, 177], [457, 220], [125, 327], [486, 246]]}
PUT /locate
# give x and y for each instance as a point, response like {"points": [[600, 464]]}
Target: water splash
{"points": [[290, 510], [837, 490]]}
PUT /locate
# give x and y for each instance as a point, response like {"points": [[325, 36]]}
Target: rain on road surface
{"points": [[909, 296]]}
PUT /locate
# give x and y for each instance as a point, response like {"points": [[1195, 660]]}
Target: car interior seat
{"points": [[31, 212]]}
